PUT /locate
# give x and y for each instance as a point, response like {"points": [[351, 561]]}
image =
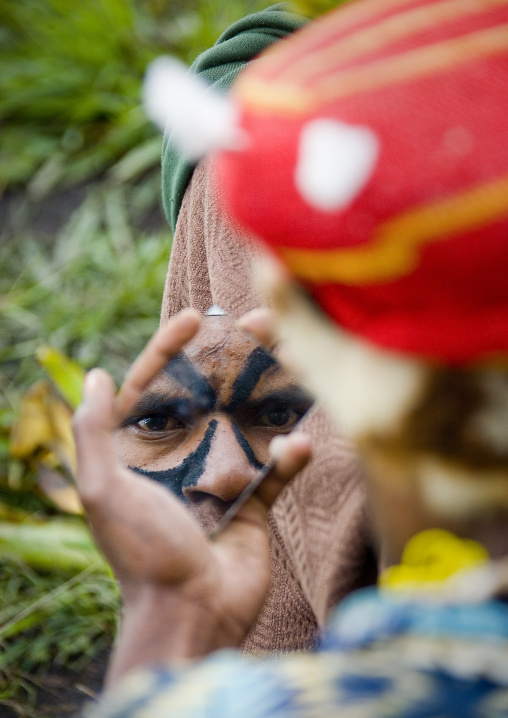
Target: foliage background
{"points": [[83, 257]]}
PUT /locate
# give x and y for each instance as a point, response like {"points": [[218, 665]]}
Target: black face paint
{"points": [[247, 449], [186, 374], [257, 363], [189, 471], [203, 400]]}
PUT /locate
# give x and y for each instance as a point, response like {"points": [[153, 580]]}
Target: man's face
{"points": [[204, 425]]}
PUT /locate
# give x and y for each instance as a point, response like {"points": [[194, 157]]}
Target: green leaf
{"points": [[67, 375], [57, 544]]}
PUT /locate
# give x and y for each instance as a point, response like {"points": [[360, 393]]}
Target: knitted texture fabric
{"points": [[320, 543], [219, 66]]}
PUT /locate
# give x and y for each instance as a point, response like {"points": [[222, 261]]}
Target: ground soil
{"points": [[62, 693]]}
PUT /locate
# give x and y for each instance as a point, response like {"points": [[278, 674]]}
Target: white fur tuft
{"points": [[200, 119], [335, 162]]}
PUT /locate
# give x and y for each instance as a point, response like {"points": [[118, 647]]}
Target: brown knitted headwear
{"points": [[318, 531]]}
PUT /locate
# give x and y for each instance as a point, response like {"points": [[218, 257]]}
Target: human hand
{"points": [[183, 595]]}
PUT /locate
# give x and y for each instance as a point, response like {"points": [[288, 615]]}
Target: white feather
{"points": [[199, 118]]}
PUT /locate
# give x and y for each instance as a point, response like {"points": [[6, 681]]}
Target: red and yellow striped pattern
{"points": [[370, 45], [424, 244]]}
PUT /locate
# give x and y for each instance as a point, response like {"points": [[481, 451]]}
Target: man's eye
{"points": [[280, 417], [159, 422]]}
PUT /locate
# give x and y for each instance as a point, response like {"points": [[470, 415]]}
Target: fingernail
{"points": [[277, 447], [90, 384]]}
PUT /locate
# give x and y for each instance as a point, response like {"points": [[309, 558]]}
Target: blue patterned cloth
{"points": [[380, 656]]}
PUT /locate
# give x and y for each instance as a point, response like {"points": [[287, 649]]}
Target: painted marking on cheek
{"points": [[247, 449], [256, 364], [186, 374], [189, 471]]}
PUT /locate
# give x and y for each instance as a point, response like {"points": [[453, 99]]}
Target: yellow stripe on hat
{"points": [[276, 59], [308, 68], [393, 251], [402, 67]]}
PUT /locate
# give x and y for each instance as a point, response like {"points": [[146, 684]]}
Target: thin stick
{"points": [[242, 498]]}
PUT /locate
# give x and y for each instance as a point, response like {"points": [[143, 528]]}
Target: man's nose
{"points": [[227, 470]]}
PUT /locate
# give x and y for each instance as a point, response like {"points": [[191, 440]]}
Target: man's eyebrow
{"points": [[295, 396], [258, 361], [187, 375]]}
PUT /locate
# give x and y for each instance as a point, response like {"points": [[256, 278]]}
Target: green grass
{"points": [[71, 75], [48, 618], [94, 294]]}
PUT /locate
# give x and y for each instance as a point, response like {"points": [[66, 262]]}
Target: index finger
{"points": [[163, 346], [260, 323]]}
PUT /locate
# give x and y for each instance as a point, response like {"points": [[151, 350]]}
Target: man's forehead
{"points": [[218, 335], [224, 355]]}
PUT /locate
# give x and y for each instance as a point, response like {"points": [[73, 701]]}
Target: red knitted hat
{"points": [[377, 169]]}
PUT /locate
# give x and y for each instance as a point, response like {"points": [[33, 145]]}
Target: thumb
{"points": [[290, 454]]}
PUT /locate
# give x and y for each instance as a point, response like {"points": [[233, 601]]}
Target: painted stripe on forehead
{"points": [[189, 471], [258, 361], [247, 449], [186, 374]]}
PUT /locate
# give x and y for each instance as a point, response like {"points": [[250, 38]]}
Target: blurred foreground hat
{"points": [[377, 170]]}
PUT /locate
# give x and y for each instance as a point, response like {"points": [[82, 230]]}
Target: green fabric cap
{"points": [[219, 66]]}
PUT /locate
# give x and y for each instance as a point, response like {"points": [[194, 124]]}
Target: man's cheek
{"points": [[259, 443], [187, 473], [133, 450]]}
